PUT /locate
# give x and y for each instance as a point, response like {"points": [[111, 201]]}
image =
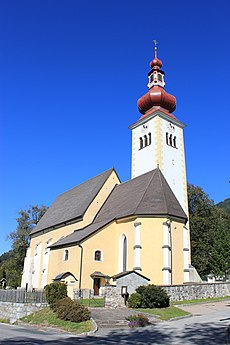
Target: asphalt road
{"points": [[207, 326]]}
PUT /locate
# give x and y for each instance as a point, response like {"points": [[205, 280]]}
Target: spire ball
{"points": [[155, 63]]}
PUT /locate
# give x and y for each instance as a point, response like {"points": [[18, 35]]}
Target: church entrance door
{"points": [[96, 286]]}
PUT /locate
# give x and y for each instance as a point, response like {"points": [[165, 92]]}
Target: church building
{"points": [[103, 227]]}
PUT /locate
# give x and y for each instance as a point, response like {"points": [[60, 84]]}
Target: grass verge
{"points": [[202, 300], [46, 317], [4, 321], [165, 313], [93, 302]]}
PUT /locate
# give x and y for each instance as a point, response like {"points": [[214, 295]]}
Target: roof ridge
{"points": [[153, 174], [86, 181]]}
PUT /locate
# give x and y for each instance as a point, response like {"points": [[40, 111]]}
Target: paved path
{"points": [[114, 318], [203, 328], [207, 325]]}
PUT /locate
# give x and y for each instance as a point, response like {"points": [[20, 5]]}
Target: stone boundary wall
{"points": [[14, 311], [195, 291]]}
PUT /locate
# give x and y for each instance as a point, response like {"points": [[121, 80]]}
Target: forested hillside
{"points": [[225, 205]]}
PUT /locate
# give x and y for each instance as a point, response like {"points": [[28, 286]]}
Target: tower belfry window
{"points": [[174, 142], [170, 140], [150, 138], [144, 141], [167, 138], [141, 143]]}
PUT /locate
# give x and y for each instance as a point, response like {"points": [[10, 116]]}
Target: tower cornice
{"points": [[157, 112]]}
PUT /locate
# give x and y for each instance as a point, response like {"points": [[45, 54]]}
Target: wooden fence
{"points": [[22, 296]]}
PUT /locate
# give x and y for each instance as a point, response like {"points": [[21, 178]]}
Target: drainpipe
{"points": [[80, 274]]}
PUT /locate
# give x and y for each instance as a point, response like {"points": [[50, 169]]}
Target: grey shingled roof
{"points": [[147, 194], [125, 273], [73, 203]]}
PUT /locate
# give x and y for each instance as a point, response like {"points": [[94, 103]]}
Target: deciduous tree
{"points": [[210, 234], [13, 264]]}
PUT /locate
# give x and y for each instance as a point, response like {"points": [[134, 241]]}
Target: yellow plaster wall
{"points": [[151, 249], [107, 240], [59, 265], [177, 253], [100, 199], [58, 233]]}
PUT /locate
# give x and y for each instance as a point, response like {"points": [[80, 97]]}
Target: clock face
{"points": [[170, 127], [144, 128]]}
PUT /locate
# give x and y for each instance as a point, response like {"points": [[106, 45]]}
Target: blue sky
{"points": [[70, 75]]}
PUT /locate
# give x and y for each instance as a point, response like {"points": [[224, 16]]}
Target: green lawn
{"points": [[93, 302], [165, 313], [202, 300], [48, 318]]}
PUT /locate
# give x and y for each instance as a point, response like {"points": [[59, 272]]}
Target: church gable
{"points": [[72, 206]]}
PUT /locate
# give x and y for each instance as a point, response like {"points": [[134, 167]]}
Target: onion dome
{"points": [[156, 63], [156, 96]]}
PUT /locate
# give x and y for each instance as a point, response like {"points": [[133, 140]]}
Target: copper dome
{"points": [[156, 63], [156, 96]]}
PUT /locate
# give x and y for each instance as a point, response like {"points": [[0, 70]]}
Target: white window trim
{"points": [[101, 255], [66, 250]]}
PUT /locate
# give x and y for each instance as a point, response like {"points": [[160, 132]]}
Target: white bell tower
{"points": [[157, 137]]}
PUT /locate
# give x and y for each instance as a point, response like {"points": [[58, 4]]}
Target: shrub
{"points": [[153, 296], [134, 300], [65, 302], [69, 310], [139, 320], [55, 292]]}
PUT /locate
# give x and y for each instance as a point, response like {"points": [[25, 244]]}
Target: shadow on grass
{"points": [[205, 334]]}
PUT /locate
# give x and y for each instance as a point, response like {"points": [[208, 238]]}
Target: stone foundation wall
{"points": [[14, 311], [195, 291]]}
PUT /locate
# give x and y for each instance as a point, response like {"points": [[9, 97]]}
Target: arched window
{"points": [[167, 138], [141, 143], [66, 255], [170, 140], [150, 138], [174, 141], [124, 254], [97, 255], [145, 140]]}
